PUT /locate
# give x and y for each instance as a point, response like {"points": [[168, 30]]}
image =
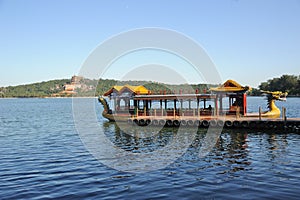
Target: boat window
{"points": [[141, 105], [122, 103]]}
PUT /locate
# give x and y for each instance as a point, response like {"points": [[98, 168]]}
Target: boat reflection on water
{"points": [[231, 146], [141, 139], [234, 151]]}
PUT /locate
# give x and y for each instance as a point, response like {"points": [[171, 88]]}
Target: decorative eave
{"points": [[111, 90], [133, 89], [231, 86]]}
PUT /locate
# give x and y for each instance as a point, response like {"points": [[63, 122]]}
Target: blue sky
{"points": [[249, 41]]}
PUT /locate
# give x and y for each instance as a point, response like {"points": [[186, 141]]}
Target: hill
{"points": [[42, 89], [86, 87], [79, 86]]}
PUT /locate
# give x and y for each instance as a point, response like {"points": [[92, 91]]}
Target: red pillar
{"points": [[244, 103]]}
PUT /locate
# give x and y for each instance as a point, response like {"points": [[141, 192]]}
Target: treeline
{"points": [[87, 88], [154, 87], [42, 89], [286, 83]]}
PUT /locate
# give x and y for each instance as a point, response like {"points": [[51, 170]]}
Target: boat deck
{"points": [[245, 122]]}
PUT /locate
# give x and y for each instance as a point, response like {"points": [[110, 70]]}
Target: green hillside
{"points": [[42, 89], [86, 87]]}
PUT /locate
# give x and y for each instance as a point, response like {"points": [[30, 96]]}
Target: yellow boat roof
{"points": [[112, 89], [134, 89], [230, 86], [140, 89]]}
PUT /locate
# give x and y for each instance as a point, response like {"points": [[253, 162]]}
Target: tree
{"points": [[286, 83]]}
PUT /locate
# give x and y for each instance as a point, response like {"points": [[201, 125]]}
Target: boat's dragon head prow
{"points": [[103, 101], [107, 112], [276, 95], [271, 98]]}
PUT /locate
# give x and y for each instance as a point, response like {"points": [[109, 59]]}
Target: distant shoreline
{"points": [[43, 97], [65, 88], [292, 96]]}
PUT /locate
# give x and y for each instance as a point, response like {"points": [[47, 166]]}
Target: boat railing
{"points": [[174, 112]]}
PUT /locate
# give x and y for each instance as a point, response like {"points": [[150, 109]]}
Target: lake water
{"points": [[43, 157]]}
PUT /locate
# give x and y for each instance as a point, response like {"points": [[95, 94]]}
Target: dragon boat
{"points": [[223, 105]]}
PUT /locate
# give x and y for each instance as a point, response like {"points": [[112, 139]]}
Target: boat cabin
{"points": [[236, 94], [122, 97], [139, 101]]}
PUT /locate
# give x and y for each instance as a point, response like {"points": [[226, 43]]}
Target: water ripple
{"points": [[42, 157]]}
